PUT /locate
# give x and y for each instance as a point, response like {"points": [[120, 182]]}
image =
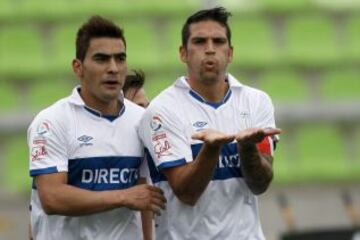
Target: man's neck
{"points": [[214, 92], [112, 109], [105, 108]]}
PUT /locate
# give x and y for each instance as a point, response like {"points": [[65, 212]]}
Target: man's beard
{"points": [[209, 77]]}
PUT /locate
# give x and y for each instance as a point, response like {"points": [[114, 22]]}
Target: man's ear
{"points": [[77, 68], [183, 54]]}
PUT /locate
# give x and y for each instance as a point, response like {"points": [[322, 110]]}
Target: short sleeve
{"points": [[263, 115], [163, 135], [264, 118], [47, 147]]}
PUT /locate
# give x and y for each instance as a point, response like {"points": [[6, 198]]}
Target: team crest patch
{"points": [[43, 128], [156, 123], [244, 114]]}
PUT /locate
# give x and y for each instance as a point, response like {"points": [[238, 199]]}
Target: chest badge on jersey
{"points": [[244, 114], [85, 140]]}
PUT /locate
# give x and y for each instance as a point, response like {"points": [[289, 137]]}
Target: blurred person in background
{"points": [[134, 88], [85, 154], [134, 91], [211, 140]]}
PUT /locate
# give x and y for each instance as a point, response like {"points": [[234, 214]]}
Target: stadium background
{"points": [[304, 54]]}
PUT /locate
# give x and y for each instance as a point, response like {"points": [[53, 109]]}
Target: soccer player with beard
{"points": [[210, 140]]}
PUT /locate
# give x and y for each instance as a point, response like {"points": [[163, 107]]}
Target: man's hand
{"points": [[144, 197], [256, 167], [190, 180], [255, 135], [213, 137]]}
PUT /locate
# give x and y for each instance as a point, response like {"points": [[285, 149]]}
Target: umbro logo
{"points": [[199, 125], [85, 140]]}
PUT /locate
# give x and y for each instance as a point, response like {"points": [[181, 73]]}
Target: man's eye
{"points": [[220, 41], [198, 41], [121, 58], [100, 59]]}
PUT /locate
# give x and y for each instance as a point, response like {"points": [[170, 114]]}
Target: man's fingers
{"points": [[213, 136], [198, 135], [159, 196], [229, 138], [156, 189], [248, 134], [256, 134], [155, 209], [272, 131], [159, 202], [251, 134]]}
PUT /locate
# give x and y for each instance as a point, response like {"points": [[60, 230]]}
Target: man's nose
{"points": [[209, 47], [113, 66]]}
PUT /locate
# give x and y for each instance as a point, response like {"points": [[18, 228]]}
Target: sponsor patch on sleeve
{"points": [[38, 149], [159, 137], [39, 142], [162, 148]]}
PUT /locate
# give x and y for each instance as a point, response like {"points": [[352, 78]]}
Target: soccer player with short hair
{"points": [[85, 155], [211, 140]]}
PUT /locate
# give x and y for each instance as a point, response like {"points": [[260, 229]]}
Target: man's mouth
{"points": [[209, 64], [111, 83]]}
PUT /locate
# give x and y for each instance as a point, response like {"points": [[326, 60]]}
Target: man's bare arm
{"points": [[146, 219], [189, 181], [256, 167], [57, 197]]}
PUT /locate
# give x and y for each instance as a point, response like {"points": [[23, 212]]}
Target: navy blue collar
{"points": [[108, 117], [215, 105]]}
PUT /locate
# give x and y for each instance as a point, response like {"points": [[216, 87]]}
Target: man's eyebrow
{"points": [[121, 54], [106, 55], [196, 38], [101, 54], [206, 37]]}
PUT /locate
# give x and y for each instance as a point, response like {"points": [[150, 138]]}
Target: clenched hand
{"points": [[145, 197]]}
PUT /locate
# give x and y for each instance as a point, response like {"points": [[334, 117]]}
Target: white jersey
{"points": [[98, 153], [227, 209]]}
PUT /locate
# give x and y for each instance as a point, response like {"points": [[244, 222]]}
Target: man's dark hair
{"points": [[218, 14], [135, 80], [96, 27]]}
